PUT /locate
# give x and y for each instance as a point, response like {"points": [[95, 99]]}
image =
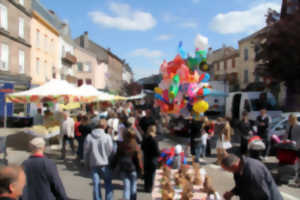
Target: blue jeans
{"points": [[200, 150], [130, 182], [102, 172]]}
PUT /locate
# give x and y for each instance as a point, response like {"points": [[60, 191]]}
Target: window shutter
{"points": [[3, 16], [21, 27], [4, 56], [21, 61]]}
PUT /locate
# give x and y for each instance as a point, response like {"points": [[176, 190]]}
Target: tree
{"points": [[278, 53]]}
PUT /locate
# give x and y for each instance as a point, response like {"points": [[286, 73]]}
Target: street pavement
{"points": [[78, 183]]}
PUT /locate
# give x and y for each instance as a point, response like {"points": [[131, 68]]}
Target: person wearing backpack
{"points": [[129, 158]]}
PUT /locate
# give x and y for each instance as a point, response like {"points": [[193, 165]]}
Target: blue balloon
{"points": [[181, 51], [206, 91], [159, 97], [206, 78]]}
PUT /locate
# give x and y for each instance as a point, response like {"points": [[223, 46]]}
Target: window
{"points": [[46, 70], [88, 81], [46, 43], [218, 66], [221, 65], [53, 72], [52, 48], [3, 17], [80, 67], [4, 52], [225, 65], [21, 27], [38, 39], [21, 2], [233, 63], [245, 54], [21, 62], [246, 76], [63, 51], [87, 67], [37, 67]]}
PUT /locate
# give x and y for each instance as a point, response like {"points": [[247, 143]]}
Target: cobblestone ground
{"points": [[79, 185]]}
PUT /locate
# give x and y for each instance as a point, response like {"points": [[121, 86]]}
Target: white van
{"points": [[238, 102]]}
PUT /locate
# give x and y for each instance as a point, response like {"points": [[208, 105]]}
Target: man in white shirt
{"points": [[67, 132]]}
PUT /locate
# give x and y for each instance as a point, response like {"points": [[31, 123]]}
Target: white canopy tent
{"points": [[90, 91]]}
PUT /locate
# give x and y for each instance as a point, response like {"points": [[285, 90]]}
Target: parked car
{"points": [[279, 127], [279, 124]]}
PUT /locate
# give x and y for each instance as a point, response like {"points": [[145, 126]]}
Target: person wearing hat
{"points": [[43, 181]]}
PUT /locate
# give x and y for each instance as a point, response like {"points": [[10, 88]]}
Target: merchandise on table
{"points": [[187, 183]]}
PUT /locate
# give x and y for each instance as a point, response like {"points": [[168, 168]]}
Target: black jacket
{"points": [[245, 128], [151, 152], [85, 130], [255, 182], [195, 129], [43, 181], [6, 198], [262, 131]]}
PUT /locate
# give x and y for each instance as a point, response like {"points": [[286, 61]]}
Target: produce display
{"points": [[43, 131], [187, 183]]}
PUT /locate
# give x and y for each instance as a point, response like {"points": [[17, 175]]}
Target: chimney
{"points": [[84, 40], [52, 12]]}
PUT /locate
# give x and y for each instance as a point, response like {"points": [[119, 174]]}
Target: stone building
{"points": [[224, 66], [15, 48], [89, 70], [246, 62], [45, 46], [106, 59]]}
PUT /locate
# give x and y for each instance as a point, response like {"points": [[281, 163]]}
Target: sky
{"points": [[146, 32]]}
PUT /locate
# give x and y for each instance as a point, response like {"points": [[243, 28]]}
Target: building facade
{"points": [[112, 65], [88, 69], [246, 62], [127, 74], [45, 46], [15, 52], [224, 66]]}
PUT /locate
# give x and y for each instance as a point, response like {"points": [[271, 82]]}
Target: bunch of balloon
{"points": [[184, 83]]}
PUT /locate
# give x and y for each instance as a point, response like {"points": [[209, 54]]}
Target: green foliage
{"points": [[279, 48]]}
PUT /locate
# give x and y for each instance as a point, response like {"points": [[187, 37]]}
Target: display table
{"points": [[46, 137], [156, 193]]}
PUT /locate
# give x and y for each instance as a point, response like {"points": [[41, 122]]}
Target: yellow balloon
{"points": [[158, 90], [201, 106]]}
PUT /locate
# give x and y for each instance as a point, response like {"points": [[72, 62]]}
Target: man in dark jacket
{"points": [[43, 181], [12, 182], [263, 123], [253, 180]]}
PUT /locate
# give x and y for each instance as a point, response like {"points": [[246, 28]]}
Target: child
{"points": [[203, 143]]}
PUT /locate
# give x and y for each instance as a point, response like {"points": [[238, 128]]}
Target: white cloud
{"points": [[164, 37], [144, 52], [242, 21], [123, 17], [196, 1], [189, 24]]}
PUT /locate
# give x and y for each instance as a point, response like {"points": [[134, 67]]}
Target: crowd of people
{"points": [[123, 138]]}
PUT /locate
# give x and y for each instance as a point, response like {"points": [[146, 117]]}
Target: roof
{"points": [[249, 37], [154, 79], [41, 10], [52, 19]]}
